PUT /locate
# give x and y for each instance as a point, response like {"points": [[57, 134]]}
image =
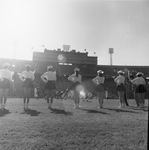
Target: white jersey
{"points": [[120, 80], [27, 74], [49, 75], [75, 79], [99, 80], [138, 81], [5, 73]]}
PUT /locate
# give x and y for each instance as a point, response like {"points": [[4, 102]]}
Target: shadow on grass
{"points": [[4, 112], [138, 108], [31, 112], [94, 111], [60, 111], [145, 109], [122, 110]]}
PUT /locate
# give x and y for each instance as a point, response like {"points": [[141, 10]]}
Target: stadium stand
{"points": [[65, 67]]}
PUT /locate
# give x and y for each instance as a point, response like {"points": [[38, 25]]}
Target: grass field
{"points": [[66, 128]]}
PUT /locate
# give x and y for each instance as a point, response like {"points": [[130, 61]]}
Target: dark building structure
{"points": [[65, 61]]}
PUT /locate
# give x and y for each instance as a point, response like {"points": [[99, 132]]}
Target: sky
{"points": [[94, 25]]}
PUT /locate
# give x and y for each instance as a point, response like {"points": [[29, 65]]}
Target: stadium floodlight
{"points": [[66, 47], [111, 51]]}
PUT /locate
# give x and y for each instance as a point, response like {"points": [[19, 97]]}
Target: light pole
{"points": [[15, 43], [111, 51]]}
